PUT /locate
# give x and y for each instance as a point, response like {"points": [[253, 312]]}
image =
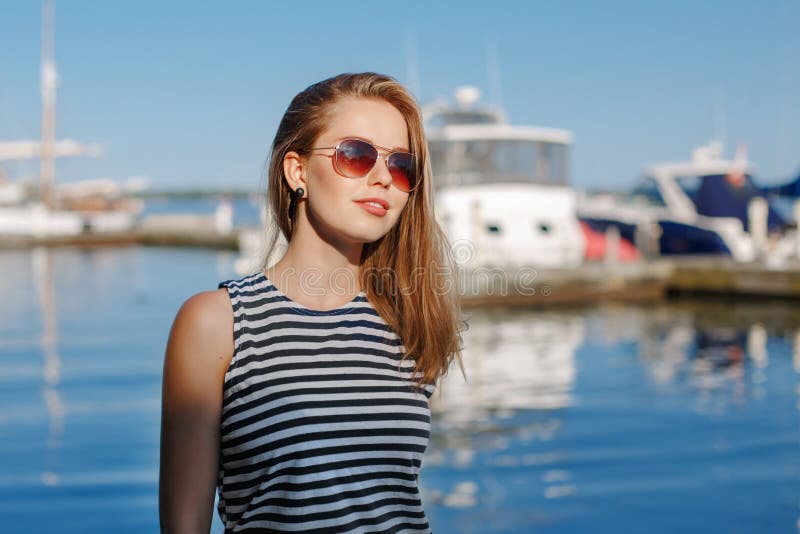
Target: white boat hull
{"points": [[512, 225], [37, 221]]}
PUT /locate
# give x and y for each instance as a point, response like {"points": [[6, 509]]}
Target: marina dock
{"points": [[140, 236], [649, 280], [645, 281]]}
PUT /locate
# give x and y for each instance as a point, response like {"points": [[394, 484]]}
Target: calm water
{"points": [[611, 419]]}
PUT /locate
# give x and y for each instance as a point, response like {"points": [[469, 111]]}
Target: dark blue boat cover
{"points": [[726, 195]]}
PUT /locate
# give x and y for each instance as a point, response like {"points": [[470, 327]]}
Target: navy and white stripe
{"points": [[322, 427]]}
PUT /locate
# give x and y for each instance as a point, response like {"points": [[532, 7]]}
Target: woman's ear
{"points": [[294, 170]]}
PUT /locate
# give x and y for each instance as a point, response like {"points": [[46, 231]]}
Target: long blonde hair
{"points": [[409, 274]]}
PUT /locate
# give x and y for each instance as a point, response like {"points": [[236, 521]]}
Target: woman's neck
{"points": [[316, 272]]}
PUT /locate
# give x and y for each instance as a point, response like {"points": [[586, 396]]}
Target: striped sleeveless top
{"points": [[322, 429]]}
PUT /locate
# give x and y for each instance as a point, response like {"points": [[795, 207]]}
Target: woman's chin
{"points": [[367, 237], [365, 233]]}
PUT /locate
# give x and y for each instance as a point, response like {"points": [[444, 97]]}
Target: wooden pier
{"points": [[157, 230], [721, 276], [634, 282], [644, 281], [135, 237]]}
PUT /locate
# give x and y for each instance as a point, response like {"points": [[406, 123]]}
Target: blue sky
{"points": [[189, 93]]}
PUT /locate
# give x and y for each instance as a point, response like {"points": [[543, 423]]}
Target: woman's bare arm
{"points": [[198, 353]]}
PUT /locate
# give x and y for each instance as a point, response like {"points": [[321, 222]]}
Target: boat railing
{"points": [[465, 178]]}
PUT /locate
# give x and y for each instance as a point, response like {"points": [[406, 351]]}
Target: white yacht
{"points": [[96, 206], [702, 206], [502, 191]]}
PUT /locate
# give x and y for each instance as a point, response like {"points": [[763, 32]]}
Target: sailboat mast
{"points": [[412, 68], [48, 87], [493, 73]]}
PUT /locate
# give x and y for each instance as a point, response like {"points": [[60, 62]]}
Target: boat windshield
{"points": [[471, 162], [698, 187], [647, 194], [727, 195]]}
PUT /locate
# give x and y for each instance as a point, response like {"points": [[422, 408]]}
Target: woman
{"points": [[301, 392]]}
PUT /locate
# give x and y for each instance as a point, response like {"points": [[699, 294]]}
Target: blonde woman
{"points": [[301, 393]]}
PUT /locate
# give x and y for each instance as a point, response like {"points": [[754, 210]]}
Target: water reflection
{"points": [[518, 360], [610, 402], [796, 352], [42, 267], [720, 350], [512, 362]]}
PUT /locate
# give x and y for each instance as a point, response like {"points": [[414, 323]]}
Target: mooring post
{"points": [[757, 212]]}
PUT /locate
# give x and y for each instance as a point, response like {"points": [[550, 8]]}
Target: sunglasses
{"points": [[354, 158]]}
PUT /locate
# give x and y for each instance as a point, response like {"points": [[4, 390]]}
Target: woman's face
{"points": [[335, 204]]}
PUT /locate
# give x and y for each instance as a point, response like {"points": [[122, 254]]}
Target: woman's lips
{"points": [[372, 207]]}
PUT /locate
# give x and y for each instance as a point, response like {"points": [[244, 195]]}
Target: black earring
{"points": [[297, 194]]}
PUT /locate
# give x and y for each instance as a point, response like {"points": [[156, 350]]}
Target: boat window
{"points": [[461, 117], [498, 161], [647, 193], [690, 186]]}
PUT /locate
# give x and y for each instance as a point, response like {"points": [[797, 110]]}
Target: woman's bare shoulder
{"points": [[202, 333], [208, 307], [209, 313]]}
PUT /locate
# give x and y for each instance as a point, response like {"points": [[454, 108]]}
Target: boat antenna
{"points": [[412, 68], [493, 72], [49, 80], [718, 116]]}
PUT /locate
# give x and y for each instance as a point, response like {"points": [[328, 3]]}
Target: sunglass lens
{"points": [[355, 158], [401, 167]]}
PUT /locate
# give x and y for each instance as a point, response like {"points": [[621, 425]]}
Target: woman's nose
{"points": [[380, 172]]}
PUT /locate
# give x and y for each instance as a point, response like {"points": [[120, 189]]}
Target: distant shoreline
{"points": [[195, 194]]}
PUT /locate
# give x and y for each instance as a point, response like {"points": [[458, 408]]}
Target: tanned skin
{"points": [[198, 353]]}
